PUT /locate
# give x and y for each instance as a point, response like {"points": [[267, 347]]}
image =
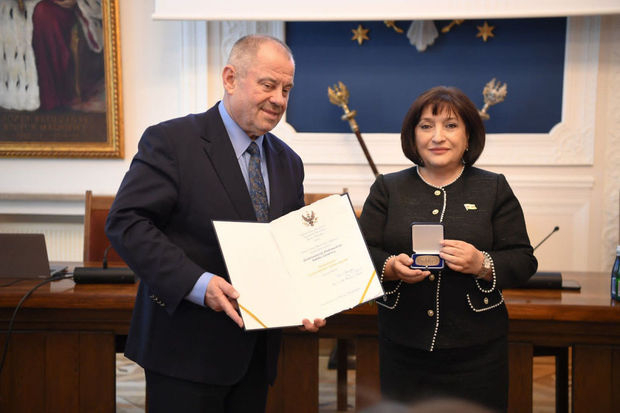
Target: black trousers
{"points": [[168, 394], [477, 374]]}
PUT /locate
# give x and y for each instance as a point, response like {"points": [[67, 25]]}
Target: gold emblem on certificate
{"points": [[309, 218]]}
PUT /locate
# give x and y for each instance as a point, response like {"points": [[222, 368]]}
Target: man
{"points": [[186, 331]]}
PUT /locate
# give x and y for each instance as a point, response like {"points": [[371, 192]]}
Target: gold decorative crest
{"points": [[392, 24], [309, 219], [493, 94]]}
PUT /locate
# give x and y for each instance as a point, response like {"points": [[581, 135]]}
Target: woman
{"points": [[444, 332]]}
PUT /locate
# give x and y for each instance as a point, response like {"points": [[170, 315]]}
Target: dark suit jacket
{"points": [[184, 175], [451, 310]]}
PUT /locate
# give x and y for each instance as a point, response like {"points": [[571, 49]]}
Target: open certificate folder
{"points": [[310, 263]]}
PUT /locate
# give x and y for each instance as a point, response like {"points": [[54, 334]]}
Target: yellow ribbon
{"points": [[367, 286], [252, 315]]}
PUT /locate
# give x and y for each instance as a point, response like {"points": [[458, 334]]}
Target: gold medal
{"points": [[427, 260]]}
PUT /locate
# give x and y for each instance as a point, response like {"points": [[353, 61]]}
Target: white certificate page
{"points": [[310, 263]]}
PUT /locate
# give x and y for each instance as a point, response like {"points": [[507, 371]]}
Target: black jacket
{"points": [[449, 309], [184, 175]]}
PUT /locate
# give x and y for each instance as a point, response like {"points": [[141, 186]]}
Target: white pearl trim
{"points": [[443, 211], [436, 313], [384, 265], [395, 290], [479, 310], [487, 291], [395, 302]]}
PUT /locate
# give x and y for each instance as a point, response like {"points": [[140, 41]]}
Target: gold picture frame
{"points": [[68, 132]]}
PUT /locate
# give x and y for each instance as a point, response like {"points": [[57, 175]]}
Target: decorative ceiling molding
{"points": [[325, 10]]}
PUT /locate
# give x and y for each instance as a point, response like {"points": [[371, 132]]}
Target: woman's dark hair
{"points": [[442, 98]]}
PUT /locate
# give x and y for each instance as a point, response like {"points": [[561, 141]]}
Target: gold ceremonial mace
{"points": [[339, 95], [493, 94]]}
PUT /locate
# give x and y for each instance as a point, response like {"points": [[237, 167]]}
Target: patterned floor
{"points": [[130, 386]]}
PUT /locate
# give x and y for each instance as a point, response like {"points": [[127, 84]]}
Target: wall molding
{"points": [[562, 201], [205, 49], [610, 235], [193, 80], [41, 204], [570, 142], [530, 189]]}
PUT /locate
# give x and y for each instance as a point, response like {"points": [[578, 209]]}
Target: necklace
{"points": [[440, 186]]}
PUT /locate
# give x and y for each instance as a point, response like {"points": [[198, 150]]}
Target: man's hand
{"points": [[312, 327], [221, 296]]}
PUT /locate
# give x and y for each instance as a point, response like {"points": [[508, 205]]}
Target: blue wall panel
{"points": [[386, 73]]}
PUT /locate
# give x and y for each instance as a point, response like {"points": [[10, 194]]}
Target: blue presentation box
{"points": [[426, 240]]}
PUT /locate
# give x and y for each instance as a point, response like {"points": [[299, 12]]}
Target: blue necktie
{"points": [[257, 185]]}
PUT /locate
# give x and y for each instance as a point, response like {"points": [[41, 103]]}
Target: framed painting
{"points": [[60, 79]]}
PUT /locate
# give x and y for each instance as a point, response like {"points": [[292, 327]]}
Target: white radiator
{"points": [[65, 241]]}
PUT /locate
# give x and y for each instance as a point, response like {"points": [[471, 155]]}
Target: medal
{"points": [[426, 260]]}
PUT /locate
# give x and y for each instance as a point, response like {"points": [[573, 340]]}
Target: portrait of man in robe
{"points": [[53, 77]]}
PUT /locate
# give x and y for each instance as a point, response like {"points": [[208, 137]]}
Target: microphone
{"points": [[545, 279], [103, 275], [547, 237], [550, 279]]}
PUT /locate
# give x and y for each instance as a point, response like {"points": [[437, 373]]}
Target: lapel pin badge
{"points": [[470, 207]]}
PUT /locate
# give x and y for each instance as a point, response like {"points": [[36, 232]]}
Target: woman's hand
{"points": [[397, 268], [461, 256]]}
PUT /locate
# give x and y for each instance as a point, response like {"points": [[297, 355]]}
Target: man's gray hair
{"points": [[245, 49]]}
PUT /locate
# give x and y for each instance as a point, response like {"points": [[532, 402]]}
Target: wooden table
{"points": [[587, 321], [61, 354]]}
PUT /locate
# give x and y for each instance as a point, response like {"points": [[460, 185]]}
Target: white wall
{"points": [[170, 68], [150, 76]]}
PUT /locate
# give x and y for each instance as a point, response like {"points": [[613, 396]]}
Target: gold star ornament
{"points": [[485, 31], [360, 34]]}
